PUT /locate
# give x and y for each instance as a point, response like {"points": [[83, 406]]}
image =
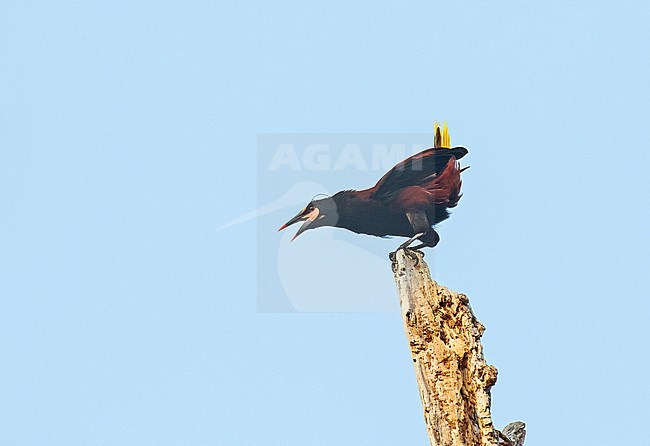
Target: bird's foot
{"points": [[413, 254], [410, 252]]}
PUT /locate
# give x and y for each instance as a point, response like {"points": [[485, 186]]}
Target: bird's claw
{"points": [[411, 252]]}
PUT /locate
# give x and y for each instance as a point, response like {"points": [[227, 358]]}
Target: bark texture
{"points": [[445, 340]]}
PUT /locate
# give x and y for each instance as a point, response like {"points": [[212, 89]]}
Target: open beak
{"points": [[308, 218]]}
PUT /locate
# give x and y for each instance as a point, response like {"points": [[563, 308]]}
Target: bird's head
{"points": [[317, 213]]}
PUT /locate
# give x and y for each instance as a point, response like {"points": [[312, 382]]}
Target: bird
{"points": [[408, 201]]}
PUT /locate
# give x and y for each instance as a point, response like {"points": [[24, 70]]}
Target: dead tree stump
{"points": [[445, 341]]}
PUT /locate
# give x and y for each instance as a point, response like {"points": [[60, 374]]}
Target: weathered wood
{"points": [[445, 340], [514, 434]]}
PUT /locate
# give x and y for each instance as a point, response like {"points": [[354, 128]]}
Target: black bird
{"points": [[407, 201]]}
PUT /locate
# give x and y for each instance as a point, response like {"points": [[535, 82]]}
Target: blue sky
{"points": [[128, 136]]}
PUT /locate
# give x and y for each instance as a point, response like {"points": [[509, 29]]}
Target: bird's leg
{"points": [[429, 240], [409, 241], [419, 223]]}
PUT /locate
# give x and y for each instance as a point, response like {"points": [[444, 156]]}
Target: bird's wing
{"points": [[415, 170]]}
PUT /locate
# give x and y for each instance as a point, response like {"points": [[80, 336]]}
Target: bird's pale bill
{"points": [[308, 215]]}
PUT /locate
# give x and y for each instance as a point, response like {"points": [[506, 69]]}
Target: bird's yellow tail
{"points": [[441, 139]]}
